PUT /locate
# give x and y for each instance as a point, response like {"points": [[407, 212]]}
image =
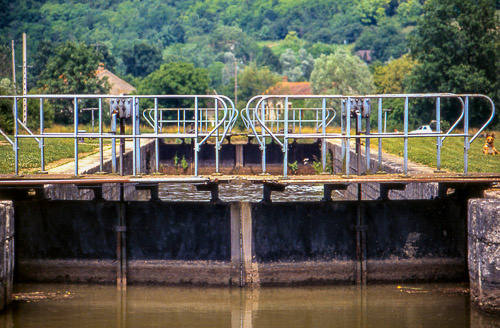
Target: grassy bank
{"points": [[423, 151]]}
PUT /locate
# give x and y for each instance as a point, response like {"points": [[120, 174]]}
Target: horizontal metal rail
{"points": [[224, 115], [258, 112]]}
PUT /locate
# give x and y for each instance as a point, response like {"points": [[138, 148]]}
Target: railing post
{"points": [[323, 140], [466, 137], [137, 128], [113, 144], [367, 102], [438, 130], [196, 146], [101, 155], [134, 148], [75, 118], [347, 148], [285, 139], [406, 137], [42, 144], [16, 138], [379, 132], [216, 115], [157, 143], [263, 132]]}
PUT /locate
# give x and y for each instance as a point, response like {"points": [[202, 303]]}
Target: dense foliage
{"points": [[454, 44]]}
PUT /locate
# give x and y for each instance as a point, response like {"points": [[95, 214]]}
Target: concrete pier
{"points": [[484, 253], [6, 252]]}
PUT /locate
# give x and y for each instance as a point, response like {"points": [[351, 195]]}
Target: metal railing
{"points": [[224, 117], [259, 120]]}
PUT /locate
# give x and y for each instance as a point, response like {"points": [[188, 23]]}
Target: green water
{"points": [[430, 305]]}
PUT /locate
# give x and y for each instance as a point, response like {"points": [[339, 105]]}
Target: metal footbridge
{"points": [[211, 119]]}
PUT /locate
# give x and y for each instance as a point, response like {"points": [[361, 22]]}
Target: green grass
{"points": [[424, 151], [29, 153]]}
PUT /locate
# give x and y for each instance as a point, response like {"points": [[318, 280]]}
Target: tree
{"points": [[456, 44], [269, 59], [175, 79], [392, 78], [341, 73], [385, 40], [141, 60], [289, 66], [254, 81], [71, 70], [306, 61]]}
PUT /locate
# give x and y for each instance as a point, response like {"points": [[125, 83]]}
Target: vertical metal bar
{"points": [[16, 138], [113, 144], [75, 115], [42, 142], [134, 148], [342, 132], [438, 130], [300, 120], [101, 155], [263, 132], [157, 142], [323, 140], [317, 119], [466, 137], [25, 81], [293, 119], [216, 115], [178, 121], [348, 136], [196, 136], [406, 137], [285, 139], [184, 121], [138, 132], [367, 142], [92, 111], [379, 132]]}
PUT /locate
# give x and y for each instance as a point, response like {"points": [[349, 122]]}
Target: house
{"points": [[285, 87], [118, 86]]}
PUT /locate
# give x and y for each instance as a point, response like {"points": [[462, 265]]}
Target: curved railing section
{"points": [[265, 120], [194, 120]]}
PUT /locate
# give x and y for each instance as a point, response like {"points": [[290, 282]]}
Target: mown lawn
{"points": [[424, 151]]}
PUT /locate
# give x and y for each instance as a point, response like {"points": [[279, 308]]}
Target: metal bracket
{"points": [[328, 188], [386, 187], [152, 187], [213, 187], [269, 187]]}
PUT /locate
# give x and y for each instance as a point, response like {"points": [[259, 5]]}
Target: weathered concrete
{"points": [[390, 164], [6, 252], [243, 244], [484, 253]]}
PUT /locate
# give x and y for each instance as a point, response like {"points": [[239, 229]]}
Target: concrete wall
{"points": [[6, 252], [390, 164], [484, 252], [242, 243]]}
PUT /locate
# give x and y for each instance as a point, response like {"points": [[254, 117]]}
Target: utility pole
{"points": [[25, 82], [14, 68], [235, 81]]}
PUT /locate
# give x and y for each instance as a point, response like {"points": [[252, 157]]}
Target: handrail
{"points": [[255, 112], [201, 132]]}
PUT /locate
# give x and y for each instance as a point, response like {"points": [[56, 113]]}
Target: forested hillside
{"points": [[265, 39]]}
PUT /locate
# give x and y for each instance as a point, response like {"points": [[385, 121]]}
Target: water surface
{"points": [[429, 305]]}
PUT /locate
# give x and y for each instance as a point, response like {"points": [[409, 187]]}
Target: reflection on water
{"points": [[245, 192], [442, 305]]}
